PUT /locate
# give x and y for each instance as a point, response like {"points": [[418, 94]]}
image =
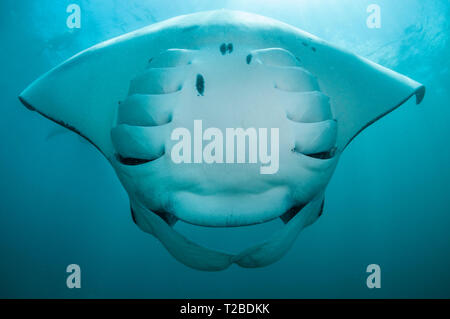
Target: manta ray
{"points": [[229, 69]]}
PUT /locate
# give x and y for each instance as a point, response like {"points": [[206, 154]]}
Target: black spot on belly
{"points": [[249, 59], [305, 44], [223, 49], [226, 48], [314, 49], [200, 84]]}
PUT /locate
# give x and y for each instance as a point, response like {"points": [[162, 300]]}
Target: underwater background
{"points": [[388, 202]]}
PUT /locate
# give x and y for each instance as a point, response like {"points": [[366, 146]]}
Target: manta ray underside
{"points": [[223, 69]]}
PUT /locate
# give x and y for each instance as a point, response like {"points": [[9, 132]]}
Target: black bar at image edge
{"points": [[227, 308]]}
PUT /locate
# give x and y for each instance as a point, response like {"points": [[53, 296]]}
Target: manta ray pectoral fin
{"points": [[198, 257], [361, 91], [83, 93]]}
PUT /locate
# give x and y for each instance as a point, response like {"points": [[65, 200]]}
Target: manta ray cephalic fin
{"points": [[201, 258]]}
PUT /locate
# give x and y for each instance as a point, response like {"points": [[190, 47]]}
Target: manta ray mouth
{"points": [[286, 216], [229, 208]]}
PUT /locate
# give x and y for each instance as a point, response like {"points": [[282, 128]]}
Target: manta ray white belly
{"points": [[220, 118]]}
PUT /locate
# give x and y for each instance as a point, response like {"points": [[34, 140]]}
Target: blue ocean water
{"points": [[387, 203]]}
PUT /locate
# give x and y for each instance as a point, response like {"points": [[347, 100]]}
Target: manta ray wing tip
{"points": [[26, 104], [420, 94]]}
